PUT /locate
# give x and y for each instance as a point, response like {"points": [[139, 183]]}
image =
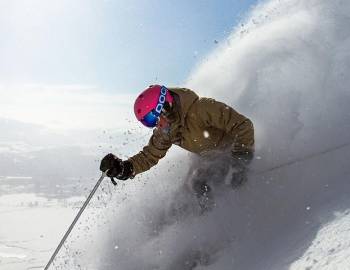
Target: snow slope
{"points": [[331, 247], [286, 67]]}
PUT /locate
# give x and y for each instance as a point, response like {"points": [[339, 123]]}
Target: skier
{"points": [[211, 129]]}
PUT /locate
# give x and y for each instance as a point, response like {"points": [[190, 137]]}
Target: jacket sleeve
{"points": [[156, 149], [221, 116]]}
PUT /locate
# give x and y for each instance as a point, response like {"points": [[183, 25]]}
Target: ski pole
{"points": [[75, 220]]}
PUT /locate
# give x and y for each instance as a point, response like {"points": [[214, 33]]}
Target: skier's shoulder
{"points": [[185, 94], [204, 105]]}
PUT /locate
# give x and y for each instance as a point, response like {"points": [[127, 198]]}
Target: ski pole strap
{"points": [[113, 181]]}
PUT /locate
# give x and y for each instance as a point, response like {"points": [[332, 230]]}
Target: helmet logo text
{"points": [[161, 100]]}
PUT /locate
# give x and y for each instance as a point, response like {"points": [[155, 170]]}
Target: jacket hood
{"points": [[186, 99]]}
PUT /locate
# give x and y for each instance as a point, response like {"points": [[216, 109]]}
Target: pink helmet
{"points": [[149, 104]]}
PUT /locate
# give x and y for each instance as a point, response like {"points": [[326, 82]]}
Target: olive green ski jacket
{"points": [[201, 125]]}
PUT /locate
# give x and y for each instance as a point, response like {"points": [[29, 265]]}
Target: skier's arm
{"points": [[217, 114], [156, 149]]}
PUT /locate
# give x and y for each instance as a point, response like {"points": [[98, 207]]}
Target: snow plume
{"points": [[287, 69]]}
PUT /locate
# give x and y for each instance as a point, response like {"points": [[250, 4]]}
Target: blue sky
{"points": [[117, 46]]}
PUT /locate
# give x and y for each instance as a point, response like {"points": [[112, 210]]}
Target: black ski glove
{"points": [[122, 170]]}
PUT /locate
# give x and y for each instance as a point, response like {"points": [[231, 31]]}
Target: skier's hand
{"points": [[111, 164], [115, 167]]}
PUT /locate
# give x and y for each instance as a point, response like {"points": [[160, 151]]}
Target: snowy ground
{"points": [[278, 223], [32, 224], [30, 227], [275, 221], [331, 247]]}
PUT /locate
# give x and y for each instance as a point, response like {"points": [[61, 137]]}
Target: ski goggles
{"points": [[152, 118]]}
